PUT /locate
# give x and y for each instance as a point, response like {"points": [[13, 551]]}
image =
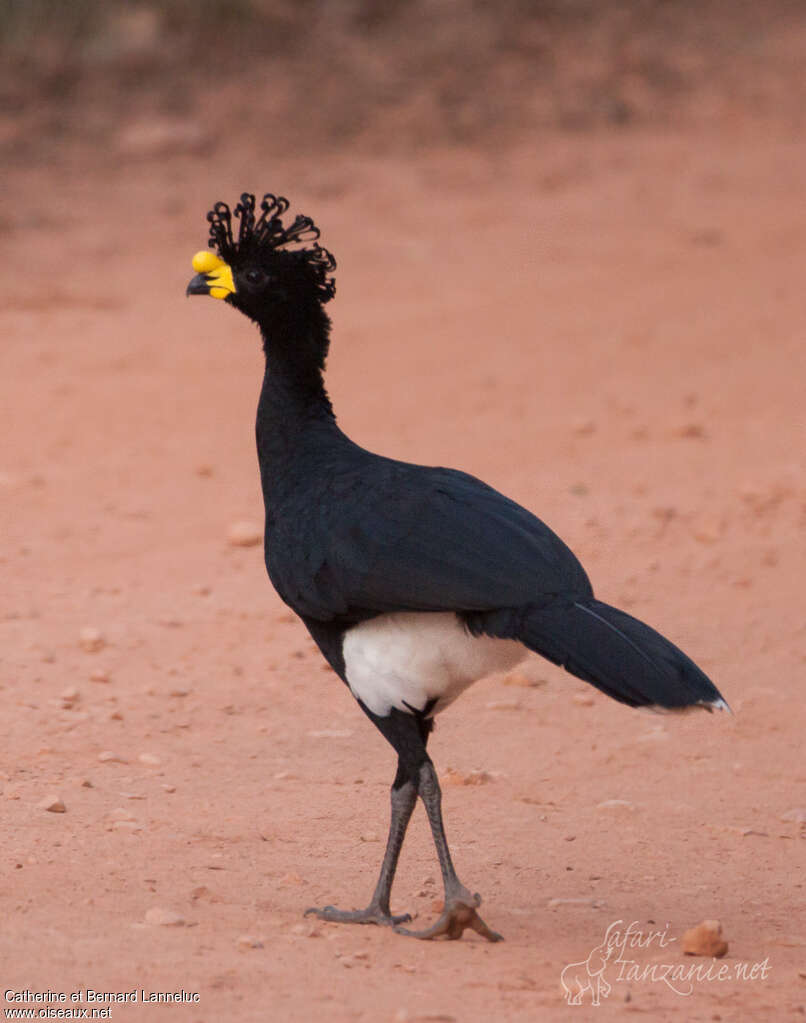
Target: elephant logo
{"points": [[588, 975]]}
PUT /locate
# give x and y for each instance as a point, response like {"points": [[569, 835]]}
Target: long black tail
{"points": [[608, 648]]}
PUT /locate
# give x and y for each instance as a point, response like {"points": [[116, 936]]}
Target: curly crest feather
{"points": [[266, 232]]}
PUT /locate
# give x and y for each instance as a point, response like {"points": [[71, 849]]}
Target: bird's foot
{"points": [[459, 914], [373, 914]]}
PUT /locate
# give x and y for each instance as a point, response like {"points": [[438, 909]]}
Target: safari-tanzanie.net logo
{"points": [[628, 955]]}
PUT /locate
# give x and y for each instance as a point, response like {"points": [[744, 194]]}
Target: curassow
{"points": [[414, 581]]}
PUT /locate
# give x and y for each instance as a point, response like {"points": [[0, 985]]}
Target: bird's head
{"points": [[266, 270]]}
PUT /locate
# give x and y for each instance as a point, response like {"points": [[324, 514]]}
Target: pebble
{"points": [[705, 940], [503, 705], [246, 941], [120, 813], [306, 930], [691, 431], [108, 757], [159, 917], [797, 816], [99, 675], [244, 534], [522, 679], [53, 804], [477, 777], [91, 639], [583, 699], [150, 758], [70, 696], [615, 804]]}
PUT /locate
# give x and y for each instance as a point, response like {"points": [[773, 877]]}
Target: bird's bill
{"points": [[213, 276]]}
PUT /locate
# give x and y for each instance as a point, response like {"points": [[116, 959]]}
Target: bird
{"points": [[414, 581]]}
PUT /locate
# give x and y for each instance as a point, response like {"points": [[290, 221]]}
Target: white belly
{"points": [[404, 660]]}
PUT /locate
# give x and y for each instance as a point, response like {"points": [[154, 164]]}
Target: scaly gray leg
{"points": [[404, 799], [460, 908]]}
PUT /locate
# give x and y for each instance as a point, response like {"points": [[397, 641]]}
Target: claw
{"points": [[370, 915], [458, 915]]}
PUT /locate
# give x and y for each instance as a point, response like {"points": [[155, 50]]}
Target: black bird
{"points": [[414, 581]]}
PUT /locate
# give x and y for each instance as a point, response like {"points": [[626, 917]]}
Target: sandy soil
{"points": [[608, 327]]}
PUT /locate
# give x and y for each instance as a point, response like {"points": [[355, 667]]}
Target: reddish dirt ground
{"points": [[606, 326]]}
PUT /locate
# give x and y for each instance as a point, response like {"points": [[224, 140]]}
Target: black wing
{"points": [[383, 536]]}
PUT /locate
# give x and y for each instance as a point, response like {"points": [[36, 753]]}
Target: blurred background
{"points": [[394, 75]]}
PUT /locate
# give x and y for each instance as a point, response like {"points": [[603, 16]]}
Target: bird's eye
{"points": [[254, 277]]}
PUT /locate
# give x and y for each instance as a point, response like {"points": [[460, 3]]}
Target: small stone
{"points": [[70, 696], [705, 940], [306, 930], [583, 699], [691, 431], [120, 813], [91, 639], [151, 759], [476, 777], [615, 804], [520, 678], [109, 757], [99, 675], [503, 705], [370, 836], [159, 917], [53, 804], [169, 788], [247, 941], [796, 816], [244, 534]]}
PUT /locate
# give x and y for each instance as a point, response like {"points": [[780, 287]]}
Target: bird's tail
{"points": [[610, 649]]}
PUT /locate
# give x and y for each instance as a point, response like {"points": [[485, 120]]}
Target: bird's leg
{"points": [[460, 907], [404, 799]]}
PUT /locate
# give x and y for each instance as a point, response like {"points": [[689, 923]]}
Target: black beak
{"points": [[198, 286]]}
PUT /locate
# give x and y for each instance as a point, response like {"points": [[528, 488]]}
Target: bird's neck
{"points": [[294, 409]]}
